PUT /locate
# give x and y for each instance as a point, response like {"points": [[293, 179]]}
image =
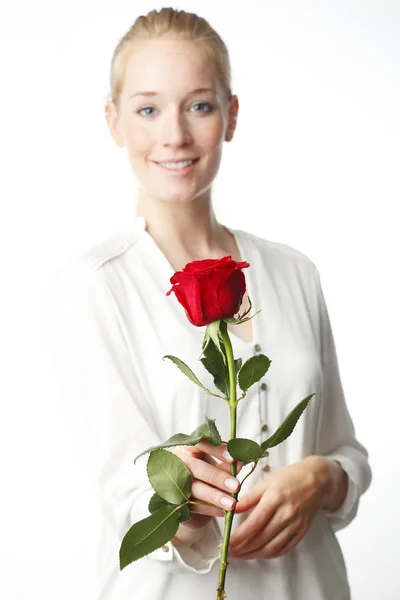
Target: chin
{"points": [[175, 198]]}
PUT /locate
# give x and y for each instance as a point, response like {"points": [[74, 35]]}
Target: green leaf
{"points": [[178, 439], [149, 534], [238, 366], [169, 476], [220, 383], [252, 371], [156, 502], [214, 359], [186, 370], [215, 363], [286, 429], [246, 451], [184, 513], [206, 431]]}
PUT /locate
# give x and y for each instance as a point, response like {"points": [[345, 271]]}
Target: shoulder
{"points": [[96, 256], [82, 281], [79, 289], [281, 255]]}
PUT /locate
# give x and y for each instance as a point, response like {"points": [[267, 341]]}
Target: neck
{"points": [[190, 228]]}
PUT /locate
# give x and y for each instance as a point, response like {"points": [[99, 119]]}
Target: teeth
{"points": [[179, 165]]}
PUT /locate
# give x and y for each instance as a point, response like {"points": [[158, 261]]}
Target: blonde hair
{"points": [[170, 24]]}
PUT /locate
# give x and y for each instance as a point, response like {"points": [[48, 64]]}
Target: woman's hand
{"points": [[286, 503], [209, 481]]}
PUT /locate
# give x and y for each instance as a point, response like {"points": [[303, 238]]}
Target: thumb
{"points": [[248, 500]]}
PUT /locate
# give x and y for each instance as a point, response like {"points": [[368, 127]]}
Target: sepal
{"points": [[213, 333]]}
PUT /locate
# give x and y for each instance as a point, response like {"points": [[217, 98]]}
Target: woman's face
{"points": [[163, 118]]}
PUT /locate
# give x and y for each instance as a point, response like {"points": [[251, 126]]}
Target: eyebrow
{"points": [[196, 91]]}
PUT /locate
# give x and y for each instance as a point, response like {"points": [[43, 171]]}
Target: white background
{"points": [[314, 164]]}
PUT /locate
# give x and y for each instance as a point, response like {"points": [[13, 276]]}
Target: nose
{"points": [[175, 130]]}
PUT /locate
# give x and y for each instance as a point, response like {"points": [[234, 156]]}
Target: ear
{"points": [[232, 117], [113, 123]]}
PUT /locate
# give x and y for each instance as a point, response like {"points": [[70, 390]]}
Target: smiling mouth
{"points": [[164, 163], [176, 160], [172, 168]]}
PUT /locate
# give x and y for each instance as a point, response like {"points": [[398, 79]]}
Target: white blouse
{"points": [[110, 323]]}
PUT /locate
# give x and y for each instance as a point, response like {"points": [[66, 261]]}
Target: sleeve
{"points": [[110, 416], [335, 438]]}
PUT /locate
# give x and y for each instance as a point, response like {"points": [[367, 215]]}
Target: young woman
{"points": [[172, 108]]}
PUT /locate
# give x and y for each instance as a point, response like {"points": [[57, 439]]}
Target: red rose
{"points": [[211, 289]]}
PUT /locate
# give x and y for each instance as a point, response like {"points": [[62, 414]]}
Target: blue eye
{"points": [[209, 109], [145, 108]]}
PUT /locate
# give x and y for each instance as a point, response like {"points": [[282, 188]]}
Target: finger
{"points": [[204, 492], [183, 452], [276, 531], [283, 542], [261, 539], [223, 466], [251, 498], [198, 451], [290, 544], [253, 524], [259, 536], [205, 510], [227, 467], [196, 521], [211, 475], [220, 452]]}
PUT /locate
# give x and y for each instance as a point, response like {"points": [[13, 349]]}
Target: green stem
{"points": [[248, 474], [228, 514], [202, 502]]}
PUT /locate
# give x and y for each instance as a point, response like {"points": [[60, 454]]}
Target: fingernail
{"points": [[227, 456], [231, 483], [227, 501]]}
